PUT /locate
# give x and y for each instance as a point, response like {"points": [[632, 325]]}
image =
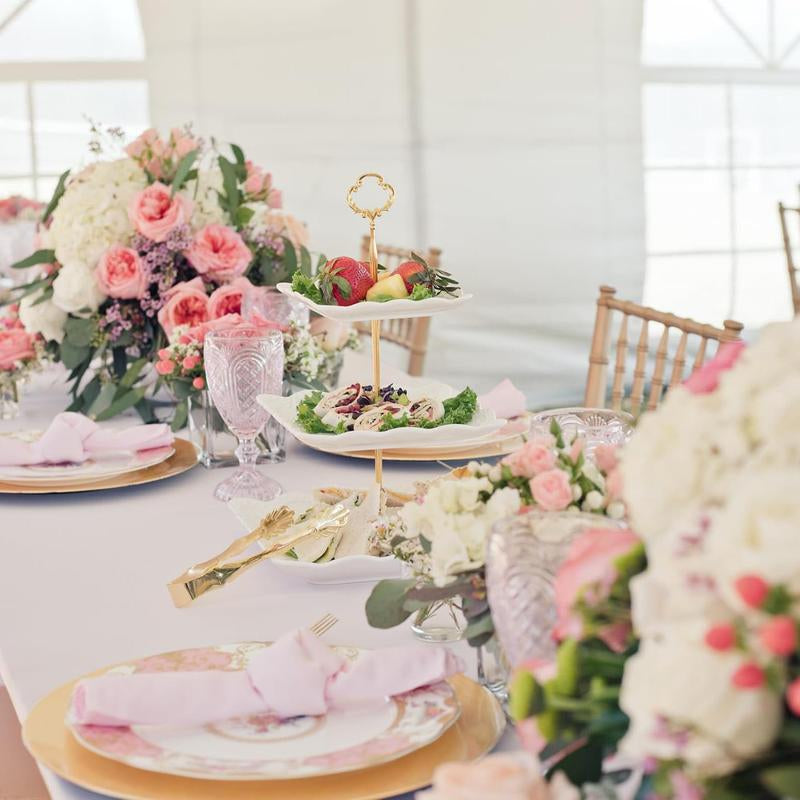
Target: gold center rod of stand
{"points": [[375, 330]]}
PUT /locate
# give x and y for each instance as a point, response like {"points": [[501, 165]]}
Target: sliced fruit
{"points": [[345, 281], [391, 288]]}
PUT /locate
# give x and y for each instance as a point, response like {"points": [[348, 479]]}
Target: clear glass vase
{"points": [[493, 669], [217, 444], [441, 621], [9, 397]]}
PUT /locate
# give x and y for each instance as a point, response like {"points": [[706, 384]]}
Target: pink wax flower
{"points": [[551, 490], [121, 274], [706, 379], [16, 345], [535, 456], [186, 304], [227, 299], [218, 252], [155, 212], [588, 572]]}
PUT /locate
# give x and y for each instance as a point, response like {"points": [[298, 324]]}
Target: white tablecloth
{"points": [[84, 575]]}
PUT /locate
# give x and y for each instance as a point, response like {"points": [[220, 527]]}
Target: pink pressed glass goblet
{"points": [[241, 364]]}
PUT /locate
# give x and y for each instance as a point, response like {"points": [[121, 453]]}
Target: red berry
{"points": [[721, 637], [793, 696], [406, 270], [748, 676], [753, 589], [779, 635], [354, 273]]}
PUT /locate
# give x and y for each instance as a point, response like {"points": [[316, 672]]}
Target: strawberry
{"points": [[345, 280], [417, 273]]}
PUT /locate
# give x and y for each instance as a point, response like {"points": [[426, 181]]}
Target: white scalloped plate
{"points": [[368, 310]]}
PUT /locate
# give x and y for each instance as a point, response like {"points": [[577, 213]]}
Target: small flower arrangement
{"points": [[17, 208], [444, 531], [131, 249], [21, 353]]}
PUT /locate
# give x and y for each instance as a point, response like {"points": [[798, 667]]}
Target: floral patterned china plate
{"points": [[109, 466], [264, 747]]}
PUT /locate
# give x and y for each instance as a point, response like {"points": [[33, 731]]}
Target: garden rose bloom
{"points": [[589, 572], [155, 213], [219, 253], [120, 273], [551, 490], [228, 299], [16, 344], [186, 304], [706, 379], [533, 457], [258, 183], [502, 776]]}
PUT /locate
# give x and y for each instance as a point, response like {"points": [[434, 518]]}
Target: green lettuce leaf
{"points": [[304, 285]]}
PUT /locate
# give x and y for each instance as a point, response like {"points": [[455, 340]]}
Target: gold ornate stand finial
{"points": [[371, 214]]}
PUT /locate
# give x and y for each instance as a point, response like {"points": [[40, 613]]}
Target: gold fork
{"points": [[322, 626]]}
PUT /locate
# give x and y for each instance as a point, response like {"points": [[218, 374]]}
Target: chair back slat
{"points": [[618, 389], [596, 379], [794, 287], [410, 334]]}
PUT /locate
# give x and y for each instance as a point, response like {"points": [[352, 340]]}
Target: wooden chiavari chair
{"points": [[596, 381], [783, 211], [410, 334]]}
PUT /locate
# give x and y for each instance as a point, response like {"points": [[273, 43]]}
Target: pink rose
{"points": [[576, 449], [535, 456], [614, 484], [120, 273], [227, 299], [16, 345], [551, 490], [588, 573], [706, 379], [142, 144], [257, 183], [155, 213], [219, 252], [230, 321], [186, 304], [605, 456], [275, 198], [181, 144]]}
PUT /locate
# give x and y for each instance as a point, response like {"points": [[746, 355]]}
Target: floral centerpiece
{"points": [[442, 534], [133, 250], [703, 690], [21, 353]]}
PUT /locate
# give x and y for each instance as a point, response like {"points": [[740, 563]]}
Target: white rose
{"points": [[682, 704], [45, 318], [75, 290]]}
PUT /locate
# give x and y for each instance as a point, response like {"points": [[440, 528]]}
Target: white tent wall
{"points": [[510, 129]]}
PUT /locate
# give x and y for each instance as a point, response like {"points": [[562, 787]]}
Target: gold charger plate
{"points": [[184, 458], [49, 741]]}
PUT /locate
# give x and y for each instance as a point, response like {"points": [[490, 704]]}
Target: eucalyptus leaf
{"points": [[230, 185], [103, 399], [243, 215], [79, 331], [39, 257], [123, 403], [57, 194], [783, 780], [238, 154], [479, 630], [289, 256], [305, 261], [182, 172], [72, 356], [132, 375], [46, 294], [180, 416], [385, 604]]}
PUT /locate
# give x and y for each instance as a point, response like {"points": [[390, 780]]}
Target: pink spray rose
{"points": [[706, 379], [589, 572], [120, 273], [186, 304], [605, 456], [16, 344], [257, 183], [535, 456], [218, 252], [155, 213], [551, 490], [275, 198], [228, 299], [197, 333], [180, 144]]}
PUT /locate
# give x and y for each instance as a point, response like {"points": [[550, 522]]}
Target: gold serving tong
{"points": [[279, 531]]}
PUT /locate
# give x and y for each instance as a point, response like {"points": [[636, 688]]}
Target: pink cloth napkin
{"points": [[297, 675], [73, 438], [505, 400]]}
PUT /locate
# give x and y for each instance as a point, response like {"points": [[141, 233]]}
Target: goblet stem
{"points": [[247, 452]]}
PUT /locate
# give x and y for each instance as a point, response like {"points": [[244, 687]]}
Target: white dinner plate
{"points": [[483, 423], [263, 746], [369, 309], [348, 569], [110, 465]]}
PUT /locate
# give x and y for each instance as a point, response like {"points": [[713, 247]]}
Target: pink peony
{"points": [[605, 456], [120, 273], [535, 456], [588, 572], [706, 379], [155, 213], [186, 304], [228, 299], [16, 344], [219, 253], [551, 490]]}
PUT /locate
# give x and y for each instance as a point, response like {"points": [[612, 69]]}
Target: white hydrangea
{"points": [[45, 318], [277, 223], [93, 213], [203, 194], [75, 290]]}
